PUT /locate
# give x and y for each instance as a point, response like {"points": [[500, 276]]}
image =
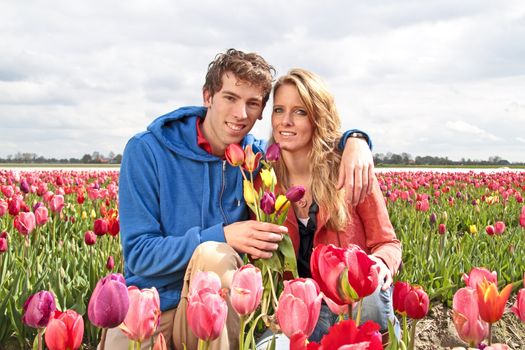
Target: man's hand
{"points": [[384, 274], [356, 172], [259, 239]]}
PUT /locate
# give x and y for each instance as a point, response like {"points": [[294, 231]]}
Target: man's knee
{"points": [[216, 256]]}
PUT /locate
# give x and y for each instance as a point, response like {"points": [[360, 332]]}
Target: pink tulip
{"points": [[109, 302], [499, 227], [519, 306], [442, 228], [205, 279], [64, 331], [476, 276], [143, 315], [3, 207], [206, 313], [56, 203], [3, 245], [273, 153], [38, 309], [41, 215], [497, 346], [110, 263], [522, 217], [423, 205], [299, 306], [469, 325], [160, 343], [90, 238], [14, 206], [25, 223], [246, 289], [295, 193]]}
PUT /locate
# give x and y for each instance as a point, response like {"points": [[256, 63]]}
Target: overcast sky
{"points": [[442, 78]]}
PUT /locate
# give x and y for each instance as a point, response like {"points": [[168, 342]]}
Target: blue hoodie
{"points": [[173, 196]]}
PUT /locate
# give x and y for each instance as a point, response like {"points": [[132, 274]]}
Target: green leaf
{"points": [[288, 252]]}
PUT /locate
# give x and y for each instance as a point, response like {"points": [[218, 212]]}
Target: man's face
{"points": [[232, 111]]}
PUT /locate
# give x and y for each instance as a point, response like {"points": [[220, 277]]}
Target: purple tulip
{"points": [[295, 193], [433, 218], [38, 309], [24, 186], [268, 203], [109, 302], [273, 153]]}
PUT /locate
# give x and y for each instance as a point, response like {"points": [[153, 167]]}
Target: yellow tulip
{"points": [[84, 215], [473, 229], [280, 201], [93, 214], [268, 177], [250, 195]]}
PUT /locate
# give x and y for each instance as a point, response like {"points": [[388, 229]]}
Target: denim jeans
{"points": [[376, 307]]}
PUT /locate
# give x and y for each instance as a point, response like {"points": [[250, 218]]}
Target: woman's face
{"points": [[291, 124]]}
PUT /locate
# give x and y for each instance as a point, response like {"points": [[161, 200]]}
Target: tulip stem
{"points": [[39, 335], [203, 344], [490, 333], [103, 338], [350, 310], [275, 300], [241, 332], [412, 335], [405, 329], [358, 316]]}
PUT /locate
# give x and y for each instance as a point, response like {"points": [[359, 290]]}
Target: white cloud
{"points": [[468, 129]]}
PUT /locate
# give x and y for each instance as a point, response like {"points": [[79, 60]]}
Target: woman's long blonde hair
{"points": [[324, 158]]}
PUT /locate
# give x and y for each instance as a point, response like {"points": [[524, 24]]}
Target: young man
{"points": [[181, 205]]}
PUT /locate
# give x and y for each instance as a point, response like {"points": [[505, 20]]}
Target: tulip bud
{"points": [[234, 154], [268, 203], [282, 204], [295, 193], [109, 302], [113, 227], [90, 238], [473, 229], [499, 227], [100, 227], [273, 153], [3, 245], [38, 309], [110, 263], [246, 289], [442, 228], [399, 295], [250, 195], [268, 177], [490, 230], [41, 215], [143, 314], [206, 313], [416, 303], [432, 219]]}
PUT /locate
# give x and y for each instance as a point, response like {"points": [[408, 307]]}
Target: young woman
{"points": [[306, 125]]}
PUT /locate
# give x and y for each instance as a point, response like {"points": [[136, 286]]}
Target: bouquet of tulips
{"points": [[267, 206]]}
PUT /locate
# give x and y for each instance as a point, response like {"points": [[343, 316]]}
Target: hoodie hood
{"points": [[177, 131]]}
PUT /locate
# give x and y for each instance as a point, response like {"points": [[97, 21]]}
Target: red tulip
{"points": [[8, 191], [110, 263], [477, 275], [206, 313], [109, 302], [360, 277], [100, 227], [399, 295], [499, 227], [345, 333], [56, 203], [246, 289], [416, 303], [251, 160], [490, 230], [234, 154], [299, 306], [469, 325], [273, 153], [143, 315], [326, 264], [491, 303], [3, 245], [14, 206], [41, 215], [64, 331], [90, 238], [113, 226], [25, 223], [38, 309], [519, 306]]}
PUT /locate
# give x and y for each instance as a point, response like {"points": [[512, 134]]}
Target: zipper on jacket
{"points": [[222, 191]]}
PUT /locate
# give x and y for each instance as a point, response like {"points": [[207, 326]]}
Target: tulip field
{"points": [[59, 232]]}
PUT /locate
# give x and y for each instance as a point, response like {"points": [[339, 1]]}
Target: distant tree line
{"points": [[379, 159], [407, 159], [33, 158]]}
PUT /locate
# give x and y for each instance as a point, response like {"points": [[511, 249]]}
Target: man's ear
{"points": [[206, 97]]}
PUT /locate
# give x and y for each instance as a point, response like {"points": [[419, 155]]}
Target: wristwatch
{"points": [[359, 135]]}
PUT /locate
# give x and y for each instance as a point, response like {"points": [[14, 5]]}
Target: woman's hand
{"points": [[356, 172], [384, 274]]}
